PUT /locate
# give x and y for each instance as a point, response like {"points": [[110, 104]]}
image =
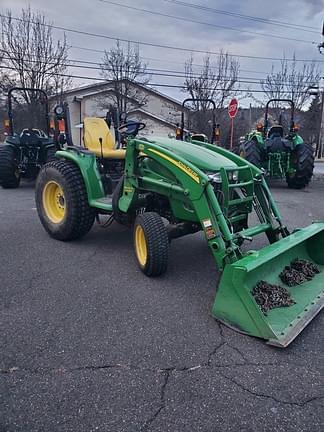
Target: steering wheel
{"points": [[131, 127]]}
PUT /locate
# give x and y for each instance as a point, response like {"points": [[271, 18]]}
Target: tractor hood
{"points": [[203, 158]]}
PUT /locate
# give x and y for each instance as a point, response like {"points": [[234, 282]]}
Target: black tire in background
{"points": [[150, 226], [250, 151], [50, 154], [303, 158], [79, 216], [9, 173]]}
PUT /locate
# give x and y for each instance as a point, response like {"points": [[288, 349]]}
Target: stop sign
{"points": [[232, 108]]}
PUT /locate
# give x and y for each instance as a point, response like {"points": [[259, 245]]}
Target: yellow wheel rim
{"points": [[140, 245], [54, 202]]}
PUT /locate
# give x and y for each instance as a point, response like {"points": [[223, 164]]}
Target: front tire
{"points": [[62, 202], [303, 157], [9, 172], [151, 244]]}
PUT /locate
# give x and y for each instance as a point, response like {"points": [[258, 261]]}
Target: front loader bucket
{"points": [[235, 305]]}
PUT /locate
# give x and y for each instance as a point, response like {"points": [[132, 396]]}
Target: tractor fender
{"points": [[257, 136], [87, 165], [297, 140], [49, 145], [12, 141]]}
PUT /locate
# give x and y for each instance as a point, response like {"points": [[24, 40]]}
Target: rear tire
{"points": [[251, 152], [50, 154], [151, 244], [62, 202], [304, 159], [9, 173]]}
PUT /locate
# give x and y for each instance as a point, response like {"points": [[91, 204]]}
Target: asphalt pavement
{"points": [[319, 168], [88, 343]]}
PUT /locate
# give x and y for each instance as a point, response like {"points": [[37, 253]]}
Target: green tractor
{"points": [[27, 147], [280, 155], [180, 131], [168, 189]]}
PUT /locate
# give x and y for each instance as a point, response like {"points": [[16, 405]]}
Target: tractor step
{"points": [[103, 203]]}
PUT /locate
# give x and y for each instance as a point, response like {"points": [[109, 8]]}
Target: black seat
{"points": [[29, 138], [275, 131]]}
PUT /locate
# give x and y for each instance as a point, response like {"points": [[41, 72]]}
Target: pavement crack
{"points": [[148, 422], [266, 396], [101, 367]]}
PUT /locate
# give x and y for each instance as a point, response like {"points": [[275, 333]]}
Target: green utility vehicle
{"points": [[280, 155], [168, 189], [28, 144]]}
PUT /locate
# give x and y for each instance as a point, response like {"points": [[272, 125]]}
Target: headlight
{"points": [[215, 177], [233, 175]]}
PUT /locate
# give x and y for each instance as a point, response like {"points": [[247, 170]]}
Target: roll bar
{"points": [[10, 114], [198, 100], [291, 102]]}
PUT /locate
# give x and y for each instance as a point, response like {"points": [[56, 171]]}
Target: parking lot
{"points": [[88, 343]]}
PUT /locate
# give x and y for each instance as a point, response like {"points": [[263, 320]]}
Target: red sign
{"points": [[233, 108]]}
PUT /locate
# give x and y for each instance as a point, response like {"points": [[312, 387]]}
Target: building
{"points": [[160, 112]]}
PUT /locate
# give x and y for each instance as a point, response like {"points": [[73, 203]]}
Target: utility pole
{"points": [[321, 132], [318, 90], [250, 117], [321, 45]]}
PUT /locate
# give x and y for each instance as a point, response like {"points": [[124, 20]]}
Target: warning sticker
{"points": [[207, 223], [210, 233]]}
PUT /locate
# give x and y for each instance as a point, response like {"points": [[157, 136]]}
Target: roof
{"points": [[96, 86]]}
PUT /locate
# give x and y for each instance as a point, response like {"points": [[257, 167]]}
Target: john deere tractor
{"points": [[281, 154], [167, 189], [181, 131], [28, 144]]}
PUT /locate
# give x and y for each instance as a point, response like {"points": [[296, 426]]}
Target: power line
{"points": [[197, 51], [155, 45], [154, 59], [183, 19], [149, 71], [151, 84], [183, 63], [246, 17]]}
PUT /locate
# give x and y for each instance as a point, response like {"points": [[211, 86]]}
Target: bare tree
{"points": [[31, 56], [124, 67], [291, 82], [215, 81]]}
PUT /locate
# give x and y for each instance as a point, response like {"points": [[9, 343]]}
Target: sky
{"points": [[210, 35]]}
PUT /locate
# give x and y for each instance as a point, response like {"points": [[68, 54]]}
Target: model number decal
{"points": [[189, 171]]}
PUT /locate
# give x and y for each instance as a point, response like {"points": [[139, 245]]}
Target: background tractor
{"points": [[180, 132], [28, 144], [169, 188], [280, 154]]}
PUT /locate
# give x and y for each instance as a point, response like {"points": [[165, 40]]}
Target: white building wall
{"points": [[88, 102]]}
